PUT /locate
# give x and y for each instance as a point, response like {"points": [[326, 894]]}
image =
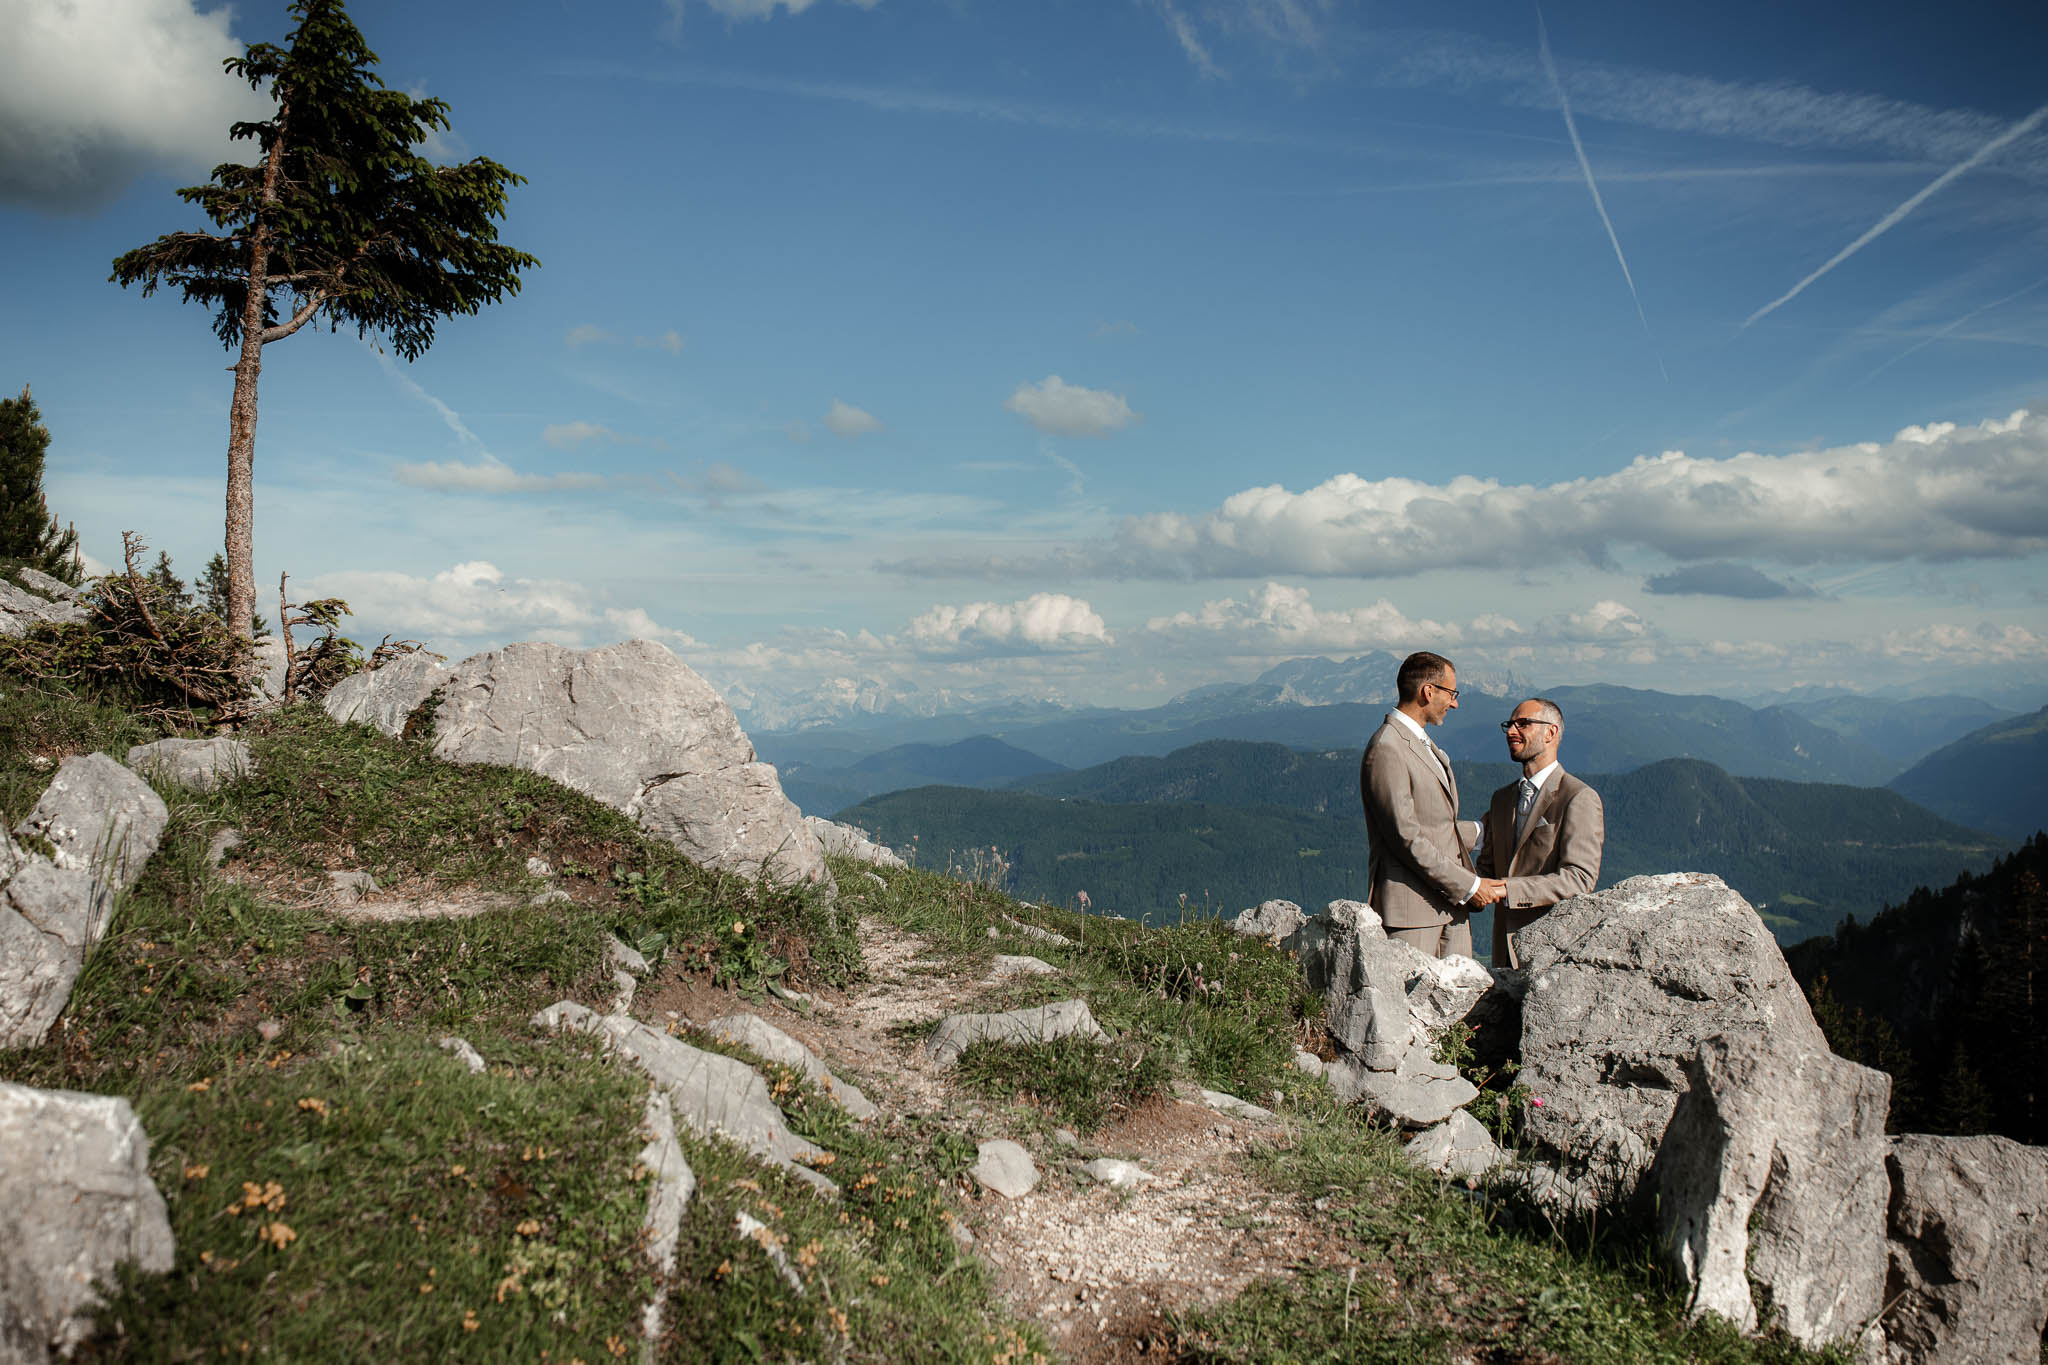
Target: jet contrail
{"points": [[1550, 65], [1890, 220], [1973, 313]]}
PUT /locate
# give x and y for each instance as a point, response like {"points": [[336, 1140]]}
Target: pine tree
{"points": [[213, 596], [27, 530]]}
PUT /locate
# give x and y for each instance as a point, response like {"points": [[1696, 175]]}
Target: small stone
{"points": [[462, 1052], [1118, 1175], [538, 867], [1009, 965], [554, 895], [1307, 1062], [352, 885], [268, 1030], [1232, 1105], [1005, 1168], [1065, 1137], [624, 958], [221, 845]]}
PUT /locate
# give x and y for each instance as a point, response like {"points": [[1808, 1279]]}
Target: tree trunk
{"points": [[241, 508]]}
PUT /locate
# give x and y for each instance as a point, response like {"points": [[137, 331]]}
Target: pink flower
{"points": [[1536, 1102]]}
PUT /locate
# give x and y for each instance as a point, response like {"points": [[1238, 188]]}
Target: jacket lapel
{"points": [[1427, 757], [1545, 800]]}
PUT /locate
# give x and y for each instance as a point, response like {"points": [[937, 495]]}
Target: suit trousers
{"points": [[1439, 940]]}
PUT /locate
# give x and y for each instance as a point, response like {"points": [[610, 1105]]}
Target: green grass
{"points": [[1079, 1082]]}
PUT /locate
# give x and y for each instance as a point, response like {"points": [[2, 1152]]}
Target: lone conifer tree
{"points": [[27, 530], [340, 216]]}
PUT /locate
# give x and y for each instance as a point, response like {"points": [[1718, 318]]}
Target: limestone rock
{"points": [[634, 727], [1421, 1093], [1118, 1175], [757, 1035], [845, 841], [1772, 1173], [1007, 964], [221, 845], [197, 764], [1032, 931], [385, 698], [1459, 1146], [668, 1197], [1620, 989], [43, 585], [1232, 1105], [1968, 1278], [1385, 996], [100, 824], [1005, 1168], [352, 885], [958, 1032], [714, 1095], [76, 1201], [24, 609], [1270, 920], [268, 662], [461, 1050]]}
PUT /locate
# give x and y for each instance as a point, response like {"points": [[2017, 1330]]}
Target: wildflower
{"points": [[739, 926], [196, 1172], [528, 1228], [313, 1105], [1535, 1101], [277, 1235], [469, 1322], [201, 1087], [458, 1171]]}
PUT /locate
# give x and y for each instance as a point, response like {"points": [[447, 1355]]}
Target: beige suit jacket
{"points": [[1419, 863], [1557, 857]]}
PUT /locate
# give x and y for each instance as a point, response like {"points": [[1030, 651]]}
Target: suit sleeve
{"points": [[1582, 830], [1387, 789]]}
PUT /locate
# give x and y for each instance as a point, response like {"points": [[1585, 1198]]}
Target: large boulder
{"points": [[22, 609], [1619, 990], [198, 764], [847, 841], [76, 1201], [1968, 1277], [84, 843], [630, 725], [1772, 1174], [1275, 921]]}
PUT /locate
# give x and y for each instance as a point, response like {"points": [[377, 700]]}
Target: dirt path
{"points": [[1095, 1268]]}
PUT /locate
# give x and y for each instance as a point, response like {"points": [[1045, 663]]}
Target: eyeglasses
{"points": [[1441, 688], [1508, 727]]}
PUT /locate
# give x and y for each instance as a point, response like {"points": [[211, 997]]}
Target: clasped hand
{"points": [[1490, 892]]}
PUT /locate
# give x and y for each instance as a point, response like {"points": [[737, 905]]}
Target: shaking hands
{"points": [[1490, 892]]}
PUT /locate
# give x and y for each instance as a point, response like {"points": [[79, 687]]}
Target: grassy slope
{"points": [[343, 1190]]}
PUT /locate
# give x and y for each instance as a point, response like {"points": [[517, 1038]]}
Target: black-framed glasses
{"points": [[1508, 727], [1441, 688]]}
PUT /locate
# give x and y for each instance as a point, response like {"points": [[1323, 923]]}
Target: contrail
{"points": [[1891, 220], [1973, 313], [1564, 103]]}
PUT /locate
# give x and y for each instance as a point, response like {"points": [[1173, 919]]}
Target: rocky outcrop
{"points": [[76, 1201], [629, 725], [1968, 1274], [1459, 1146], [1387, 1003], [1273, 921], [84, 843], [43, 598], [958, 1032], [1771, 1175], [771, 1044], [845, 841], [196, 764], [1619, 991]]}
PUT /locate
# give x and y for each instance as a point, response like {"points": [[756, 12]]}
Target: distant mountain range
{"points": [[1995, 778], [1320, 705], [1229, 824]]}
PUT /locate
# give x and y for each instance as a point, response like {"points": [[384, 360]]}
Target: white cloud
{"points": [[759, 9], [1932, 493], [569, 435], [1062, 409], [1280, 618], [1044, 621], [94, 93], [587, 334], [476, 602], [670, 341], [487, 475], [844, 419]]}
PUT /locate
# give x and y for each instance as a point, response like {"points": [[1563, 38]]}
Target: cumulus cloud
{"points": [[1042, 622], [1933, 493], [569, 435], [1062, 409], [1720, 578], [477, 601], [1280, 617], [844, 419], [94, 93], [487, 475]]}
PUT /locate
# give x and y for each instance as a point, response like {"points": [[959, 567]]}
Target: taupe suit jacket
{"points": [[1557, 857], [1419, 863]]}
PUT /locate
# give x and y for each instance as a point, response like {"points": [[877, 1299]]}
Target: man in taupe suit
{"points": [[1541, 838], [1419, 865]]}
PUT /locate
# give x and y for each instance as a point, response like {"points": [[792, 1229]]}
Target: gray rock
{"points": [[770, 1043], [634, 727], [29, 608], [1232, 1105], [538, 867], [1118, 1175], [625, 958], [1459, 1146], [714, 1095], [267, 667], [460, 1049], [1032, 931], [751, 1229], [43, 585], [76, 1201], [386, 697], [1010, 965], [1066, 1137], [100, 823], [1006, 1168], [1772, 1174], [958, 1032], [221, 845], [1367, 984], [669, 1192], [1423, 1092], [1310, 946], [554, 895], [1270, 920], [845, 841], [352, 885], [1621, 988], [1968, 1279], [197, 764], [1307, 1062]]}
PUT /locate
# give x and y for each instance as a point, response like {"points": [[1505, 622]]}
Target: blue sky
{"points": [[1099, 350]]}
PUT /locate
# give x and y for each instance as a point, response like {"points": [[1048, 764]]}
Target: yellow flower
{"points": [[313, 1105], [196, 1172], [277, 1235], [528, 1228], [469, 1322], [201, 1087]]}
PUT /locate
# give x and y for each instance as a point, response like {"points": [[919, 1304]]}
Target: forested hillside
{"points": [[1231, 824], [1995, 778], [1949, 993]]}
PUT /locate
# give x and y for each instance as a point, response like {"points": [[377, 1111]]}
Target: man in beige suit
{"points": [[1419, 866], [1541, 838]]}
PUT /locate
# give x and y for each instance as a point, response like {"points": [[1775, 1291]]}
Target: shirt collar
{"points": [[1410, 722], [1544, 774]]}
